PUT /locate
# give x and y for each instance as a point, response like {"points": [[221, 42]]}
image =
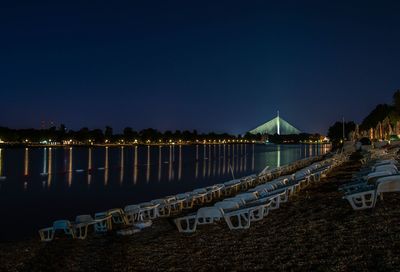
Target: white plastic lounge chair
{"points": [[188, 201], [47, 234], [198, 196], [231, 187], [366, 197], [176, 206], [186, 224], [242, 218], [207, 195], [132, 214], [82, 223], [118, 216], [148, 210], [208, 215], [163, 209], [364, 181], [215, 190], [104, 222]]}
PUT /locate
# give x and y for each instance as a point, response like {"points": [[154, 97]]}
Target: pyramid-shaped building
{"points": [[276, 126]]}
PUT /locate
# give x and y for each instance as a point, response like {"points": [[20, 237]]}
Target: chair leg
{"points": [[70, 231], [243, 220], [257, 214], [361, 201], [46, 235], [81, 232], [190, 224]]}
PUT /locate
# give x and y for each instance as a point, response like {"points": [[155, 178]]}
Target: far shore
{"points": [[19, 145]]}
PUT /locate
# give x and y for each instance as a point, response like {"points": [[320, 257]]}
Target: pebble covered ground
{"points": [[315, 231]]}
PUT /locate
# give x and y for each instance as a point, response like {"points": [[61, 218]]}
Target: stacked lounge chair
{"points": [[240, 210], [379, 175]]}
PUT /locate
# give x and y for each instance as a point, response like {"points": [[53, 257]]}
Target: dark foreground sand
{"points": [[315, 231]]}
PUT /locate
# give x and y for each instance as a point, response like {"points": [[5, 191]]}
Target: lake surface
{"points": [[46, 184]]}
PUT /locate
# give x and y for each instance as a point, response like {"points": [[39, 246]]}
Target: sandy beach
{"points": [[315, 231]]}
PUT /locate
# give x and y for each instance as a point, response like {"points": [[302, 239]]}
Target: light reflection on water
{"points": [[1, 162], [121, 171], [106, 167], [215, 160], [43, 184], [89, 169], [135, 166], [70, 167]]}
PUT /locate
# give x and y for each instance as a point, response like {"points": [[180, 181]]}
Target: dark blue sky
{"points": [[210, 65]]}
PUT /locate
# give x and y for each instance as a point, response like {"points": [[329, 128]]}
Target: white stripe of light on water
{"points": [[1, 162]]}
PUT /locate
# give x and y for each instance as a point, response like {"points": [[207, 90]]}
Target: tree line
{"points": [[86, 135], [381, 112]]}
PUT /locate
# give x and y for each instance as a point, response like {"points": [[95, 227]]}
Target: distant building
{"points": [[276, 126]]}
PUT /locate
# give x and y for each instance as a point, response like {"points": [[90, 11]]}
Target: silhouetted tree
{"points": [[97, 135], [149, 134], [380, 112], [396, 101], [129, 134], [335, 132], [108, 133]]}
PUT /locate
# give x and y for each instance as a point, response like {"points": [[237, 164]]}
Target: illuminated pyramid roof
{"points": [[276, 126]]}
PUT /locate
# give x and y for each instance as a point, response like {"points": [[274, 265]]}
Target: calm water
{"points": [[45, 184]]}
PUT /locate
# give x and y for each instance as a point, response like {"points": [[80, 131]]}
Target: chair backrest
{"points": [[385, 167], [246, 197], [388, 184], [169, 198], [237, 200], [100, 215], [227, 205], [115, 212], [146, 204], [378, 174], [131, 208], [232, 182], [385, 162], [156, 201], [182, 196], [84, 218], [249, 178], [200, 190], [62, 224], [213, 212]]}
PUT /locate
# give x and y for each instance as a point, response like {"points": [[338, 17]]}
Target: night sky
{"points": [[224, 67]]}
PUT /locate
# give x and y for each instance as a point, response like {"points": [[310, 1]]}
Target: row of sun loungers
{"points": [[379, 175], [239, 211], [264, 192]]}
